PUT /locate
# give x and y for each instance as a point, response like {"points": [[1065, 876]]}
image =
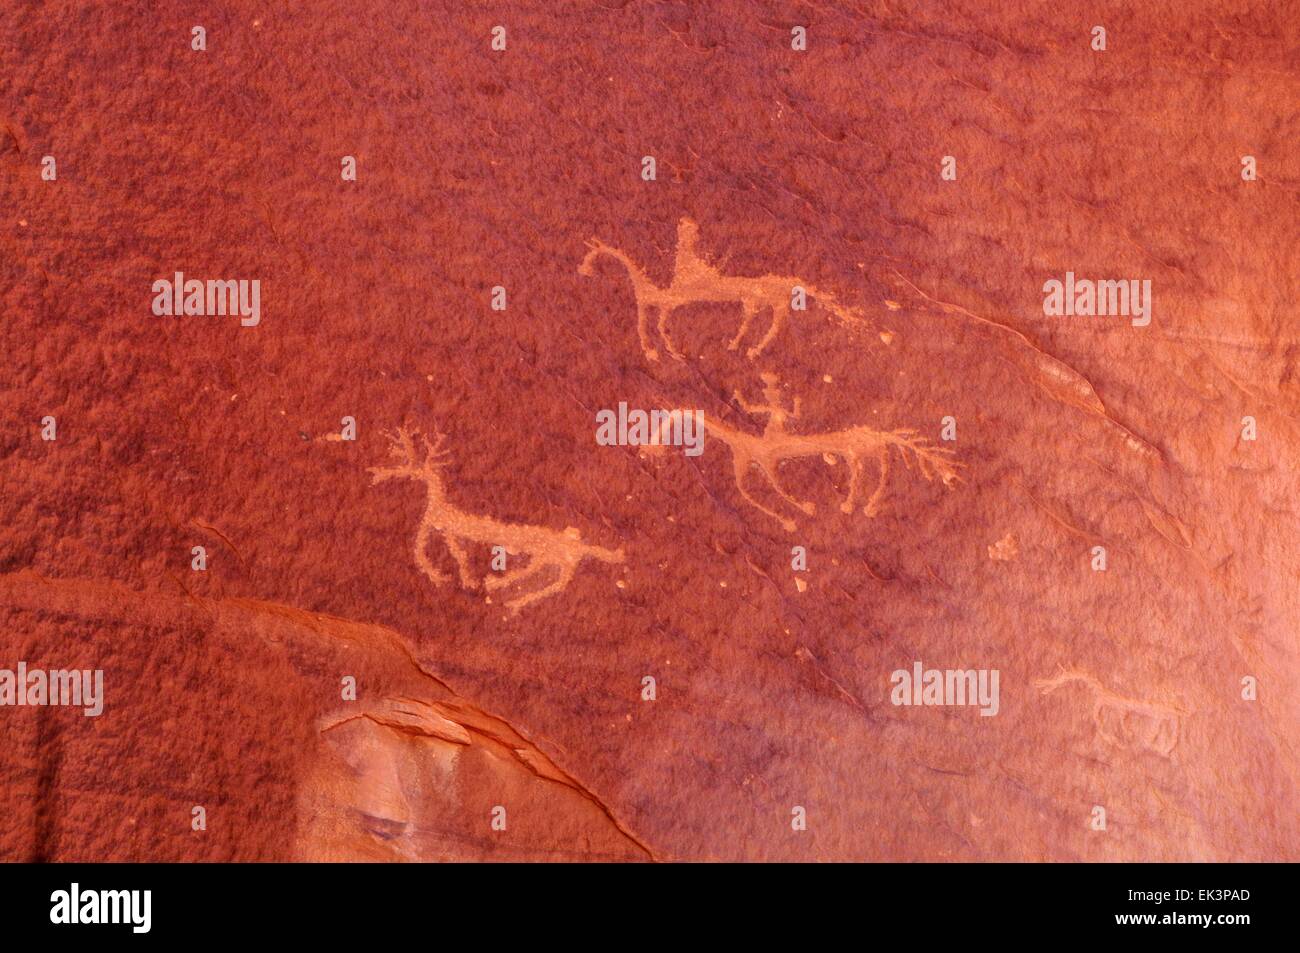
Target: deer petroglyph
{"points": [[856, 445], [695, 280], [1123, 722], [549, 551]]}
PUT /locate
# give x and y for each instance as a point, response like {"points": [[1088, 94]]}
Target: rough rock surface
{"points": [[479, 168]]}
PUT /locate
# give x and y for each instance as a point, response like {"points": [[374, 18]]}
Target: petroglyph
{"points": [[1123, 722], [695, 280], [549, 551], [776, 445]]}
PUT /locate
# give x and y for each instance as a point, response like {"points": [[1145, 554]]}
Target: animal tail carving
{"points": [[931, 461], [848, 314], [595, 552]]}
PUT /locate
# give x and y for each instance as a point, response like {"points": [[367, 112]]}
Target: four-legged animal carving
{"points": [[856, 445], [1132, 723], [695, 280], [547, 550]]}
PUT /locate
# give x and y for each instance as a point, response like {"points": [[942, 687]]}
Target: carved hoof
{"points": [[846, 507], [733, 345], [809, 508], [753, 352], [652, 355], [790, 525]]}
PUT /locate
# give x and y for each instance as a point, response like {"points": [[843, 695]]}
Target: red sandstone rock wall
{"points": [[476, 168]]}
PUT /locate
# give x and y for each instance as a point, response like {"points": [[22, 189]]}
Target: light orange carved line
{"points": [[547, 550], [695, 280], [856, 445], [1158, 724]]}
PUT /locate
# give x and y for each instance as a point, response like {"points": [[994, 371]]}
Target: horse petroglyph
{"points": [[776, 445], [695, 280], [548, 551], [1123, 722]]}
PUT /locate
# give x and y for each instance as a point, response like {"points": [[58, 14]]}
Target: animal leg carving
{"points": [[779, 311], [750, 309], [563, 579], [664, 314], [462, 562], [771, 473], [643, 329], [422, 558], [512, 576], [741, 469], [1165, 736], [855, 473], [873, 504]]}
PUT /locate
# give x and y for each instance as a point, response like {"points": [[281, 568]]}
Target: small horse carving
{"points": [[696, 280], [856, 446]]}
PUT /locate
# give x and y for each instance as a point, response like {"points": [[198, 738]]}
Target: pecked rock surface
{"points": [[328, 559]]}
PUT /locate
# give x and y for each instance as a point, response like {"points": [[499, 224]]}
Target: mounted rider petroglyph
{"points": [[856, 445], [548, 551], [695, 280]]}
